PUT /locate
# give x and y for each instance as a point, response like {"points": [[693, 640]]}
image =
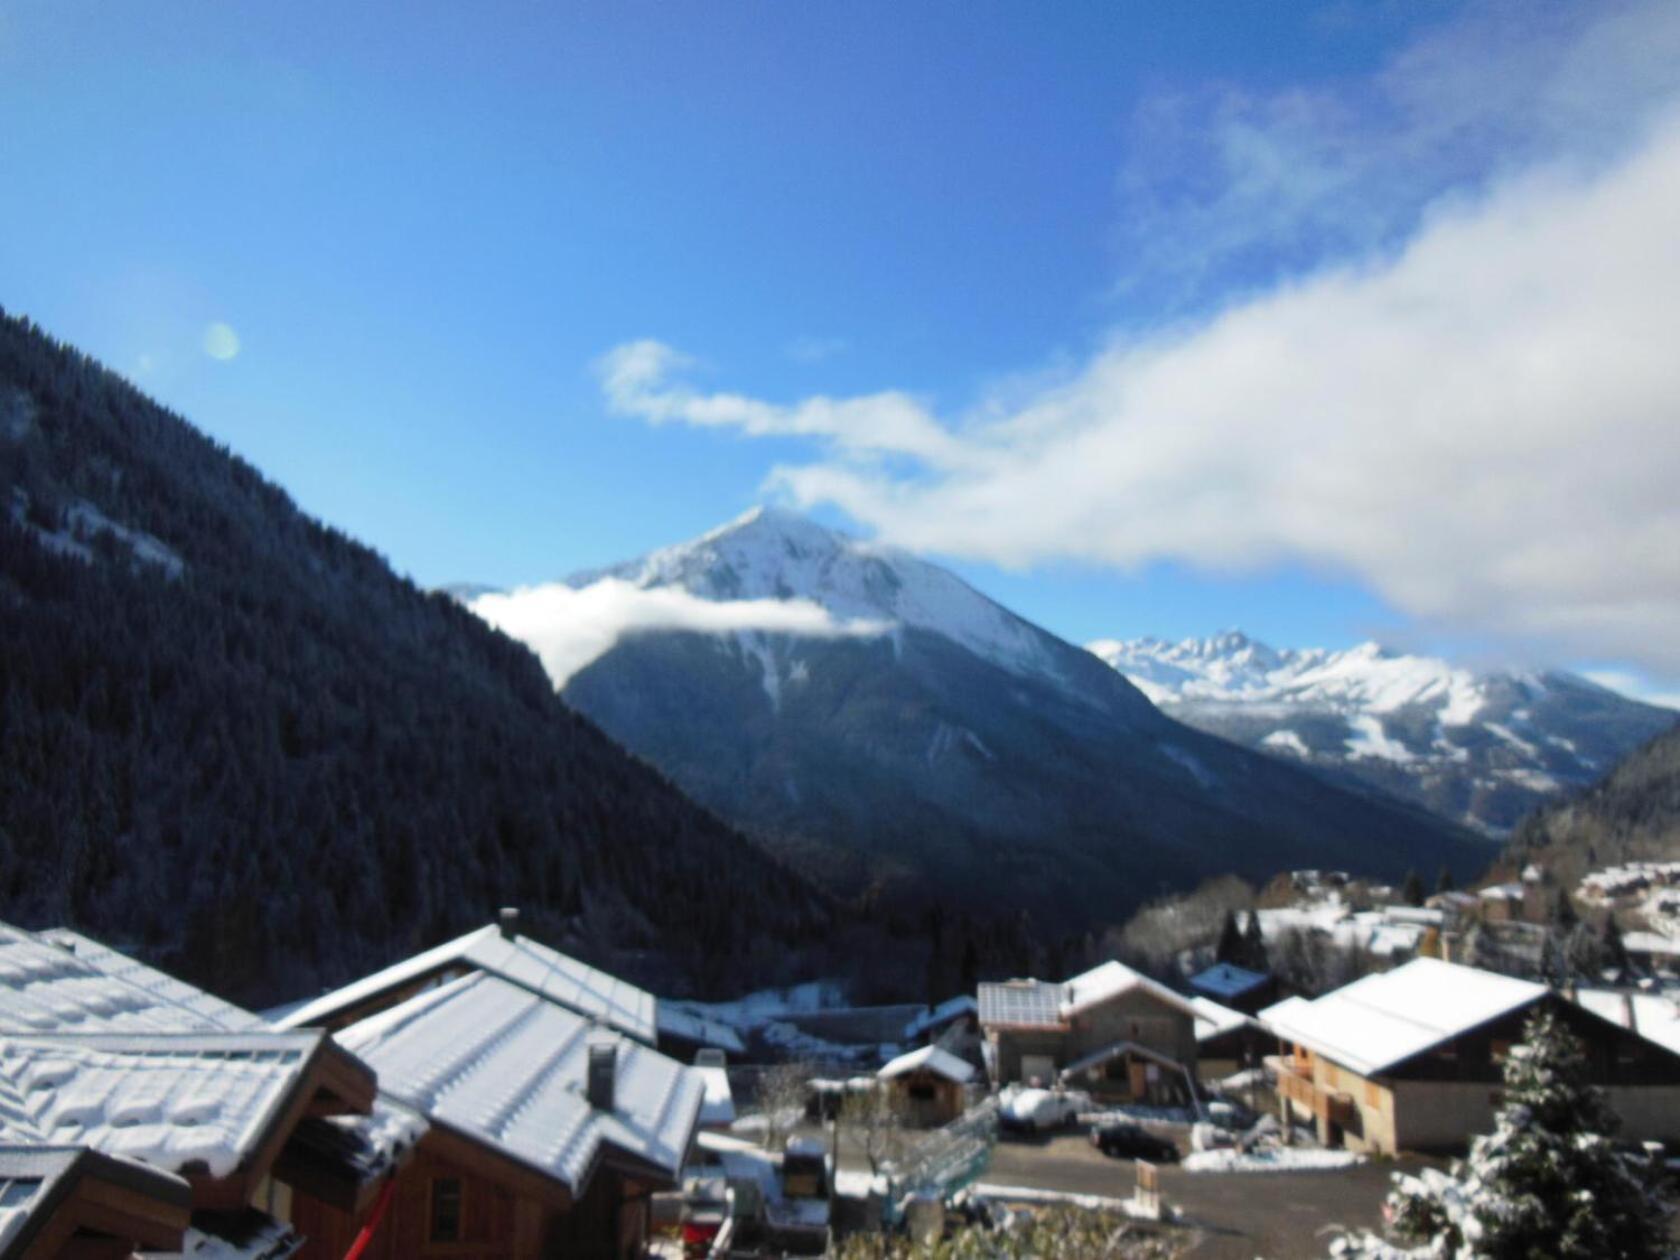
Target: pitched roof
{"points": [[1214, 1020], [36, 1182], [519, 960], [947, 1011], [1039, 1004], [46, 987], [182, 1103], [495, 1061], [211, 1010], [677, 1020], [1656, 1016], [1379, 1022], [929, 1059]]}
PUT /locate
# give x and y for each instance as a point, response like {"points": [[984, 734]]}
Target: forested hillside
{"points": [[232, 737], [1632, 813]]}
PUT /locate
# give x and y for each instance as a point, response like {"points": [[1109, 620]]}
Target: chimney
{"points": [[1628, 1016], [509, 919], [603, 1071]]}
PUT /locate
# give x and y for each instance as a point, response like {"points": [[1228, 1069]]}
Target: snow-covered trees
{"points": [[1549, 1181]]}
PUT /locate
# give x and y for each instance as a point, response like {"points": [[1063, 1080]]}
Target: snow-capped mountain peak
{"points": [[1481, 745], [771, 553]]}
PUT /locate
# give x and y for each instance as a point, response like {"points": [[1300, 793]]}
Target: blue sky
{"points": [[421, 228]]}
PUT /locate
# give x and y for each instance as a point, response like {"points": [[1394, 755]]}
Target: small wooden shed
{"points": [[930, 1084]]}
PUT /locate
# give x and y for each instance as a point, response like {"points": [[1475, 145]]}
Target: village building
{"points": [[101, 1054], [551, 1118], [929, 1087], [73, 1201], [1111, 1029], [1227, 1041], [1410, 1059], [501, 950], [1237, 988]]}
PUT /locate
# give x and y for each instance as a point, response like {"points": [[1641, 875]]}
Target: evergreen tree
{"points": [[1611, 948], [1411, 892], [1444, 881], [1549, 1181], [1254, 945], [1229, 949]]}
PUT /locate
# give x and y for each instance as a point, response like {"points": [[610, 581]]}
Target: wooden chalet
{"points": [[73, 1201], [1410, 1059], [930, 1085], [551, 1120], [1111, 1029], [117, 1059]]}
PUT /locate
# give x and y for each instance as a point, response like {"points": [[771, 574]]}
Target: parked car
{"points": [[1125, 1140], [1041, 1110]]}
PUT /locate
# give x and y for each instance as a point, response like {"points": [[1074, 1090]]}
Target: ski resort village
{"points": [[493, 1096], [856, 629]]}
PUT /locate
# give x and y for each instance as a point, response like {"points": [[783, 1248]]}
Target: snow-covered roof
{"points": [[1375, 1023], [493, 1060], [929, 1059], [677, 1020], [167, 1100], [35, 1179], [47, 987], [212, 1010], [944, 1013], [1039, 1004], [517, 959], [1650, 943], [1656, 1016], [1214, 1020], [1281, 1010], [1227, 980], [719, 1105], [1502, 892]]}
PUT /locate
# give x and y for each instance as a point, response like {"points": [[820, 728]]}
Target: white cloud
{"points": [[220, 342], [1218, 180], [636, 378], [1636, 685], [1483, 426], [569, 627]]}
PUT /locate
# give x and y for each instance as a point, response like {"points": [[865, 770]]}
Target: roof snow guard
{"points": [[1379, 1022], [516, 959], [1038, 1004], [505, 1067]]}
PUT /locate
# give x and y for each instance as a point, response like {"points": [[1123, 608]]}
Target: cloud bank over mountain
{"points": [[569, 627], [1474, 418]]}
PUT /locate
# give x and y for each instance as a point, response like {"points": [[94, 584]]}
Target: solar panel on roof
{"points": [[1034, 1003]]}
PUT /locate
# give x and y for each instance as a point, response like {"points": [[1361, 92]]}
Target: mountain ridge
{"points": [[1482, 747], [964, 746]]}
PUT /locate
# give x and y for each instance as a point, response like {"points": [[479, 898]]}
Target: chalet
{"points": [[499, 950], [929, 1084], [551, 1118], [1410, 1059], [71, 1200], [1111, 1028], [1226, 1040], [103, 1055]]}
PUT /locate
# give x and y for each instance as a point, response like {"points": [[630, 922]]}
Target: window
{"points": [[446, 1209], [1373, 1097]]}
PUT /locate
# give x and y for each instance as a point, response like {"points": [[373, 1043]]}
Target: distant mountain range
{"points": [[234, 740], [1483, 748], [957, 750]]}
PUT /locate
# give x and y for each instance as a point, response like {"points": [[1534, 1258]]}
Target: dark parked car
{"points": [[1132, 1141]]}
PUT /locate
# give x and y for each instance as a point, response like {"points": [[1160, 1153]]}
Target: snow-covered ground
{"points": [[1270, 1159]]}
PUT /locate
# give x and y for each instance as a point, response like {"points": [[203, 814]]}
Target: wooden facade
{"points": [[458, 1198]]}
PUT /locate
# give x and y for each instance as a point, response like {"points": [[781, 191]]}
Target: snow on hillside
{"points": [[1481, 746]]}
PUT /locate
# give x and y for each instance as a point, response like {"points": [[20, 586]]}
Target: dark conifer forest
{"points": [[233, 739]]}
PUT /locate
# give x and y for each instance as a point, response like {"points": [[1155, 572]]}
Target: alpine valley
{"points": [[949, 744], [1483, 748]]}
